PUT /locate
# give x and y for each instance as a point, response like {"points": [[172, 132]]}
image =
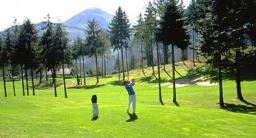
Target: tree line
{"points": [[221, 31]]}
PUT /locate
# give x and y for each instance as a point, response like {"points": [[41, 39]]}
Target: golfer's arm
{"points": [[131, 84]]}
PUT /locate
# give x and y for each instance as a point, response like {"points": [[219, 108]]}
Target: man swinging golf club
{"points": [[132, 99]]}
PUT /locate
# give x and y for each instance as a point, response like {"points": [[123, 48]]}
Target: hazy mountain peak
{"points": [[81, 19]]}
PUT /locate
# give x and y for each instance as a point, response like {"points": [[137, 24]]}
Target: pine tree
{"points": [[3, 59], [62, 54], [213, 35], [25, 49], [52, 52], [49, 52], [139, 35], [77, 48], [192, 19], [150, 28], [172, 31], [120, 33], [160, 7], [93, 42]]}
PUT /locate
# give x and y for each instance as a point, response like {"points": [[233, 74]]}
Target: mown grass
{"points": [[198, 115]]}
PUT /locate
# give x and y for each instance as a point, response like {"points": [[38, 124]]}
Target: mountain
{"points": [[75, 26], [80, 20]]}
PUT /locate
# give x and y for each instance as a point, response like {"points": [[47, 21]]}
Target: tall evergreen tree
{"points": [[172, 31], [120, 33], [160, 7], [77, 48], [25, 48], [192, 19], [52, 53], [13, 65], [93, 42], [62, 54], [3, 59], [46, 41], [139, 36], [10, 44], [48, 52], [213, 34], [150, 28]]}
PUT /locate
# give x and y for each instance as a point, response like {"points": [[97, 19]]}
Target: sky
{"points": [[61, 10]]}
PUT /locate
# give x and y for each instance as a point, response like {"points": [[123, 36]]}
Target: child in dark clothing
{"points": [[95, 111]]}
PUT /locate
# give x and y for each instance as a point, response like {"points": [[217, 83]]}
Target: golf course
{"points": [[198, 113]]}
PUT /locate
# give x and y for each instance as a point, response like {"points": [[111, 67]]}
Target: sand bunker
{"points": [[200, 81]]}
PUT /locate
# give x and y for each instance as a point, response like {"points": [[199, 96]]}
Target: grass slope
{"points": [[44, 115]]}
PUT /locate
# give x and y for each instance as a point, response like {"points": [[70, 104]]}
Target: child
{"points": [[95, 111], [132, 99]]}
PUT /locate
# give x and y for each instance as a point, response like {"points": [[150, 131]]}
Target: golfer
{"points": [[132, 98]]}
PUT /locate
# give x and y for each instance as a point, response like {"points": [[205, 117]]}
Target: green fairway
{"points": [[198, 115]]}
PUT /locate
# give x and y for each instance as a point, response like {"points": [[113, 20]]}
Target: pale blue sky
{"points": [[61, 10]]}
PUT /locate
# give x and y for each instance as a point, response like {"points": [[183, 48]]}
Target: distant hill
{"points": [[80, 20], [75, 26]]}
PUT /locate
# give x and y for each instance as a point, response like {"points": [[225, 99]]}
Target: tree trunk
{"points": [[26, 77], [173, 77], [147, 56], [132, 61], [102, 65], [238, 76], [64, 81], [165, 52], [122, 57], [119, 68], [166, 61], [84, 70], [193, 45], [105, 68], [13, 82], [3, 71], [166, 72], [46, 75], [153, 71], [152, 61], [54, 81], [77, 77], [81, 71], [32, 79], [159, 76], [22, 80], [142, 60], [40, 76], [221, 101], [97, 72], [127, 65]]}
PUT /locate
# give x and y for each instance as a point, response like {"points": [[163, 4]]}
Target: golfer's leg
{"points": [[134, 103], [129, 102]]}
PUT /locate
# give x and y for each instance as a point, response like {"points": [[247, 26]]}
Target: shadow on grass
{"points": [[176, 103], [87, 87], [117, 83], [248, 103], [151, 79], [44, 85], [212, 74], [238, 108]]}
